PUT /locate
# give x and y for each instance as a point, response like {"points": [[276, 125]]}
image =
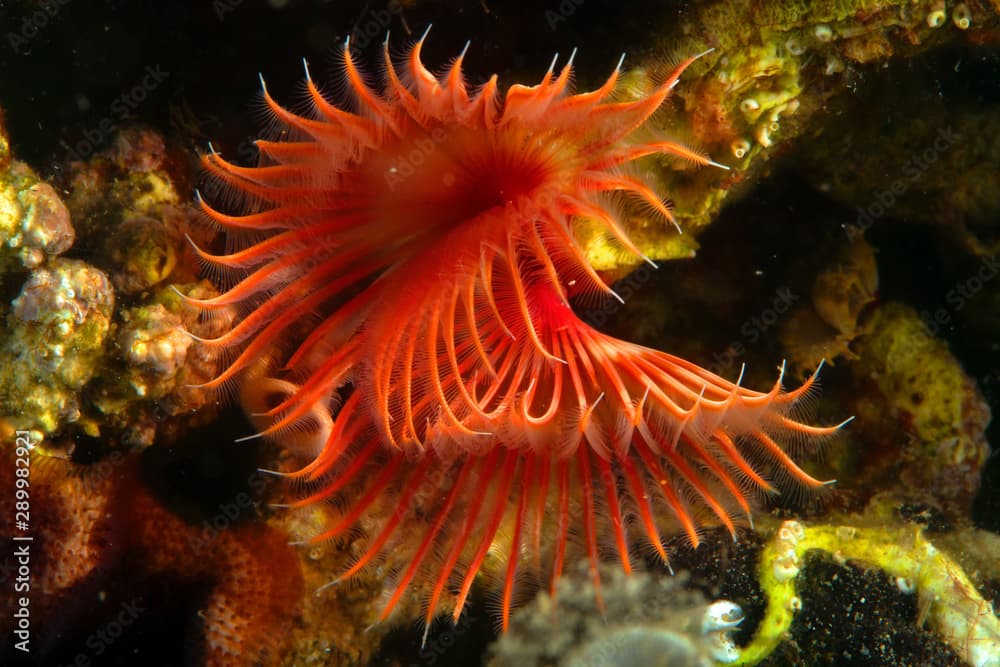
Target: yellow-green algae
{"points": [[955, 610], [925, 389], [145, 251], [34, 223]]}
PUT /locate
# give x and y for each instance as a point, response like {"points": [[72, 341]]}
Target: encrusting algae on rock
{"points": [[100, 347], [53, 343], [34, 222], [925, 409]]}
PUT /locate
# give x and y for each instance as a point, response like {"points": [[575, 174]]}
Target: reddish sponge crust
{"points": [[408, 273], [96, 529]]}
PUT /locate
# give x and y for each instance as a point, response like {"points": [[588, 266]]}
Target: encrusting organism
{"points": [[407, 270], [102, 542], [949, 601]]}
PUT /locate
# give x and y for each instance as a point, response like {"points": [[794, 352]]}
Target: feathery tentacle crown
{"points": [[409, 265]]}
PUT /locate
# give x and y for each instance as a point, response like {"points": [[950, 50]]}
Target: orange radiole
{"points": [[407, 267]]}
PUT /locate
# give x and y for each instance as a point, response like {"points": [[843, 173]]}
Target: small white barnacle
{"points": [[763, 133], [792, 531], [786, 565], [721, 618], [937, 16], [961, 16], [823, 33], [834, 65], [739, 148], [721, 615], [749, 105], [794, 46]]}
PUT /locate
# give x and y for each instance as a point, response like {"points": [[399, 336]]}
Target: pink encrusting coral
{"points": [[408, 270]]}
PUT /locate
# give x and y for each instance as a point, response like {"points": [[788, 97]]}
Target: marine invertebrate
{"points": [[52, 343], [937, 16], [740, 148], [410, 267], [101, 540], [98, 347], [952, 605], [646, 620], [34, 223], [823, 33], [931, 399], [961, 16]]}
